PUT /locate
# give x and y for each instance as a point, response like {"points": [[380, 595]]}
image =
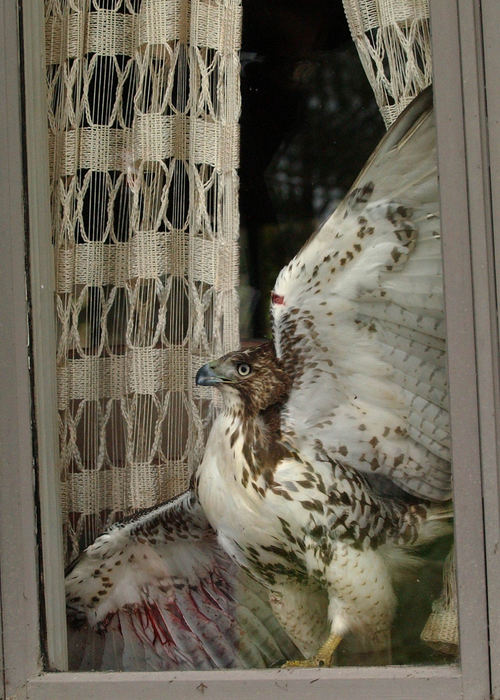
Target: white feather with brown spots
{"points": [[165, 596], [361, 323]]}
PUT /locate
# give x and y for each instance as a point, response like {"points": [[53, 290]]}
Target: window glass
{"points": [[317, 522]]}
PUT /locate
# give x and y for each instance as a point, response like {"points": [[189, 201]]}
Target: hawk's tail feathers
{"points": [[437, 523], [403, 558]]}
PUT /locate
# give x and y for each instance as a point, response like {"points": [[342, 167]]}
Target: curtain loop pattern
{"points": [[394, 46], [143, 108]]}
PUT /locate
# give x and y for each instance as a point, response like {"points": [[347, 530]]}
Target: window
{"points": [[472, 340]]}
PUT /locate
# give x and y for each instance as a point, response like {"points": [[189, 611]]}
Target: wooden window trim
{"points": [[486, 257], [466, 73]]}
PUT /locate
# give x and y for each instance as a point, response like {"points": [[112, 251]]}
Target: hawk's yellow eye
{"points": [[244, 369]]}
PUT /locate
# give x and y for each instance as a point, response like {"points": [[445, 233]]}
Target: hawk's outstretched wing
{"points": [[165, 596], [359, 323]]}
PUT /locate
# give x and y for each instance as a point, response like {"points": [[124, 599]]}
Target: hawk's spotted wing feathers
{"points": [[168, 597], [361, 326]]}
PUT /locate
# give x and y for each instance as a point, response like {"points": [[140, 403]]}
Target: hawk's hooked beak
{"points": [[206, 376]]}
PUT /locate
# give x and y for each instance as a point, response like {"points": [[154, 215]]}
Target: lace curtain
{"points": [[394, 46], [143, 100]]}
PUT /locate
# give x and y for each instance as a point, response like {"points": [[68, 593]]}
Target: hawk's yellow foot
{"points": [[324, 657]]}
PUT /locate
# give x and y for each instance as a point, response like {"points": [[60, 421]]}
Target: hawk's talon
{"points": [[313, 662], [322, 659]]}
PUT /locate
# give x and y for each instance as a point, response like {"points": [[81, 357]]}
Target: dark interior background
{"points": [[309, 122]]}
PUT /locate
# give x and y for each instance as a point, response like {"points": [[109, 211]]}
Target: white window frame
{"points": [[467, 66]]}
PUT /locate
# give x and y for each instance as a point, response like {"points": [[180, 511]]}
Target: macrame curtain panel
{"points": [[394, 45], [143, 100], [441, 629]]}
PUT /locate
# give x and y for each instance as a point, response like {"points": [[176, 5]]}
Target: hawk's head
{"points": [[252, 377]]}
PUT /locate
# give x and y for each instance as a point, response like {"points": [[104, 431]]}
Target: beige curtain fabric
{"points": [[143, 102], [393, 42], [441, 629]]}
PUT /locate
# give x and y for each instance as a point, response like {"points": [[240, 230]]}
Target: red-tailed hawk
{"points": [[329, 463]]}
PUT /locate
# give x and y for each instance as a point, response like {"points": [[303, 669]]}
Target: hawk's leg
{"points": [[324, 657], [303, 612]]}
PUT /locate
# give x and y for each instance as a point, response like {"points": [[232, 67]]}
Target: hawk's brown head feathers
{"points": [[252, 377]]}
